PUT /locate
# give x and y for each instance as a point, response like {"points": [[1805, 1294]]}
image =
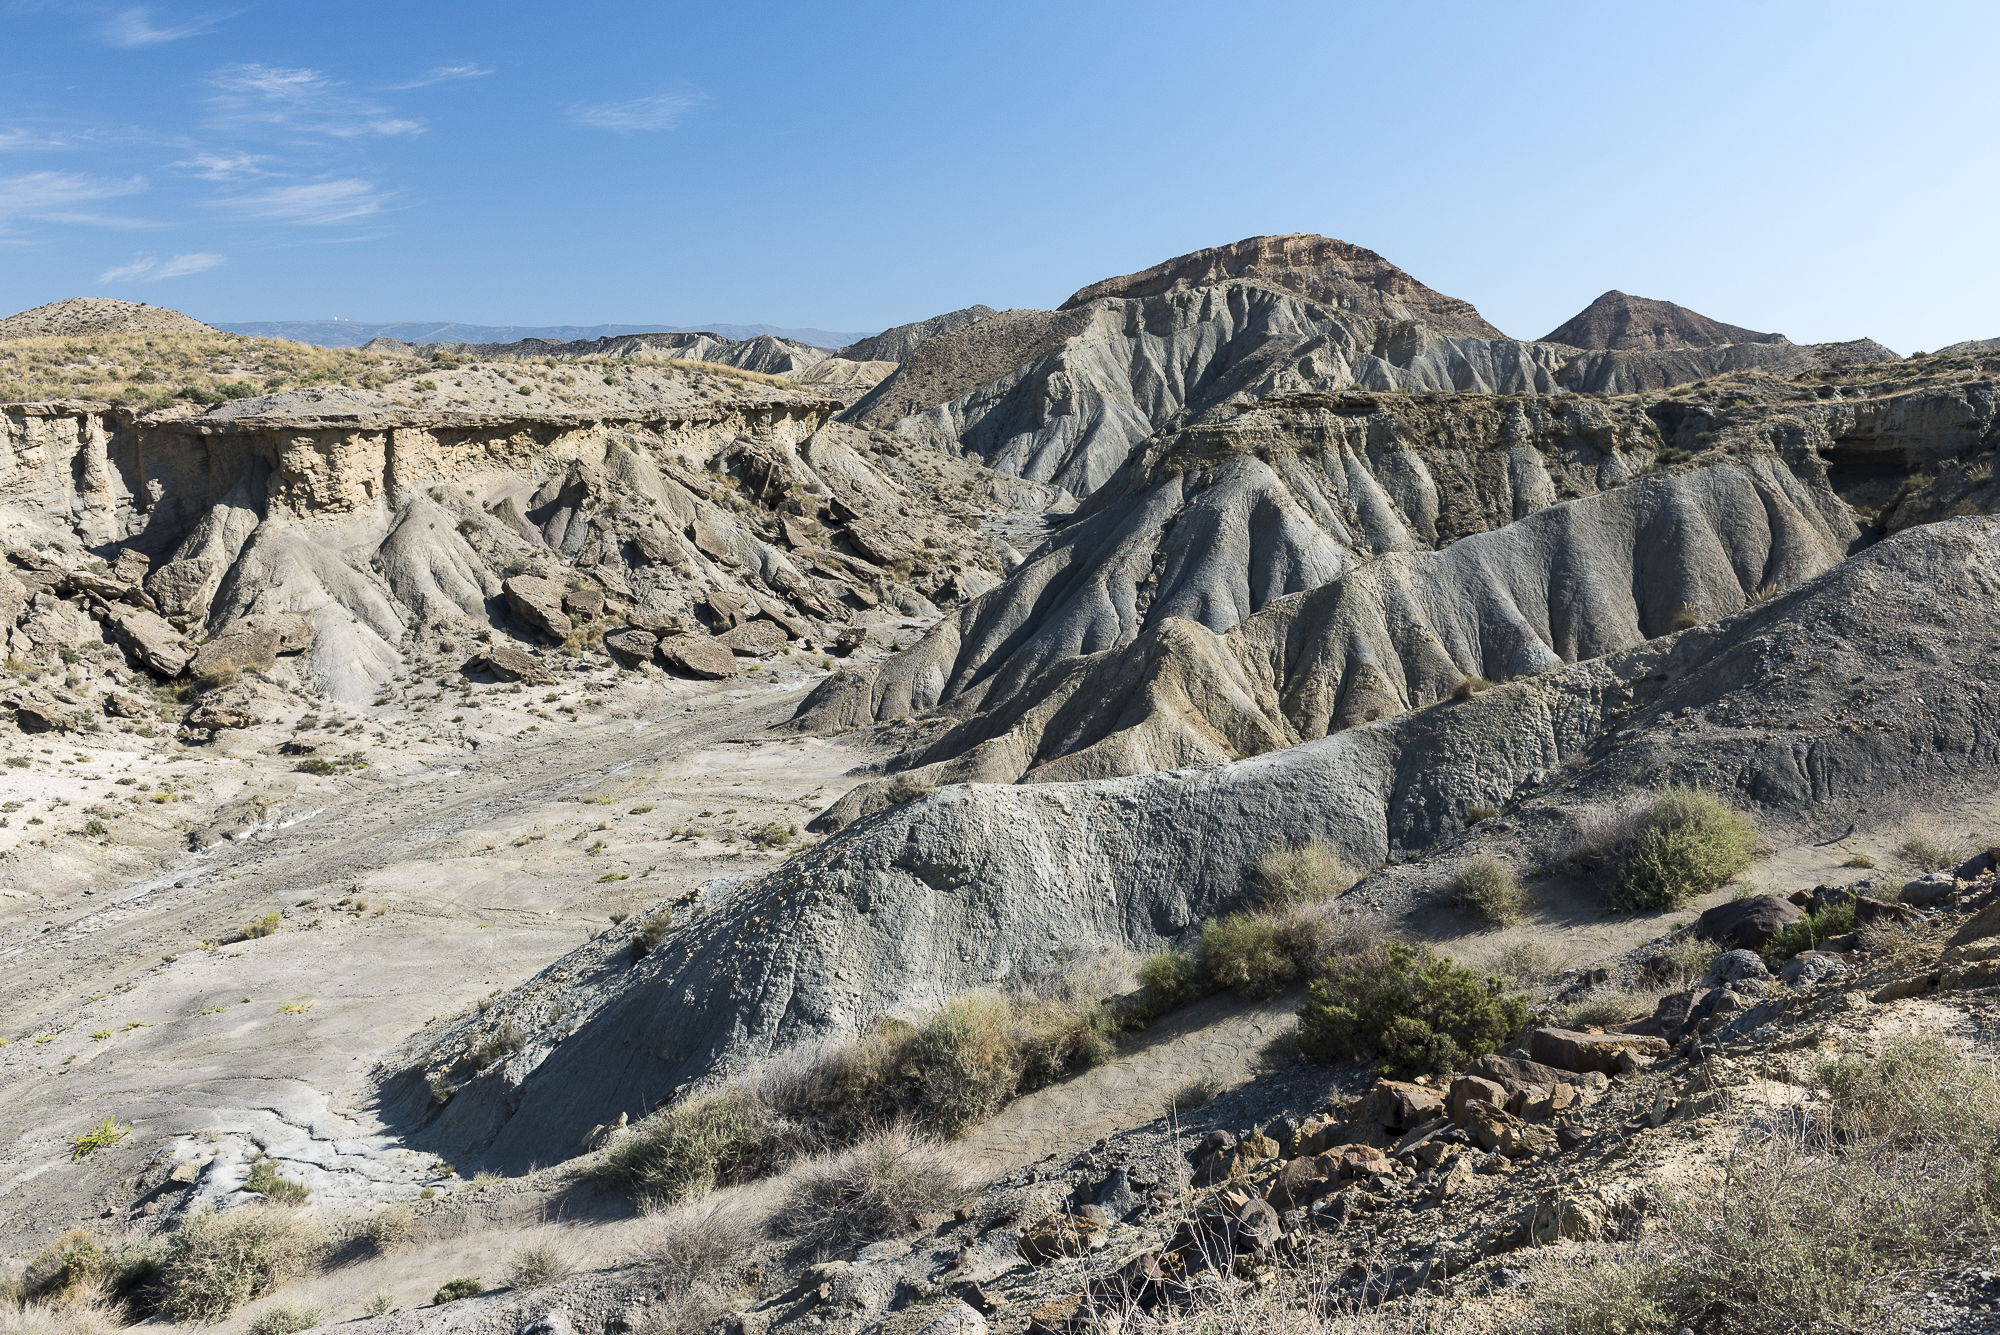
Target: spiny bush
{"points": [[465, 1286], [1808, 932], [216, 1263], [544, 1263], [869, 1192], [1684, 961], [694, 1146], [287, 1319], [954, 1068], [1245, 953], [1660, 854], [1168, 979], [1489, 886], [1408, 1007], [1308, 873], [698, 1244]]}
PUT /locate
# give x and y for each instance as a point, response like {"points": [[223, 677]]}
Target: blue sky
{"points": [[1823, 169]]}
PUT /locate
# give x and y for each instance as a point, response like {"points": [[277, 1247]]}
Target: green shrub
{"points": [[465, 1286], [651, 932], [1680, 846], [1408, 1007], [1308, 873], [1808, 932], [1168, 980], [693, 1146], [1246, 953], [1489, 886], [1684, 961], [216, 1263], [106, 1133], [265, 1180], [286, 1319], [261, 927]]}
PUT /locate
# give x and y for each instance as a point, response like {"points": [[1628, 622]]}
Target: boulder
{"points": [[131, 566], [538, 604], [1397, 1105], [254, 642], [1301, 1182], [1813, 968], [632, 647], [148, 638], [1733, 966], [123, 704], [725, 607], [1747, 924], [1574, 1051], [753, 639], [214, 715], [1061, 1234], [1467, 1089], [1977, 865], [586, 601], [697, 656], [1930, 891], [509, 663], [38, 711]]}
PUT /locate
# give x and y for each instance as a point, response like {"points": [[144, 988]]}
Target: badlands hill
{"points": [[98, 315], [1619, 320], [551, 836]]}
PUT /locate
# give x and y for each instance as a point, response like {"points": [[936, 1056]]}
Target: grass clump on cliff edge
{"points": [[1407, 1006], [937, 1077], [150, 370], [1661, 854]]}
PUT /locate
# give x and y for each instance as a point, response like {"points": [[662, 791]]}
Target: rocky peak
{"points": [[1319, 268], [1622, 321], [98, 315]]}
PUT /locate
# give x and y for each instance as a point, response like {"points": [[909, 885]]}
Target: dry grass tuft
{"points": [[870, 1192]]}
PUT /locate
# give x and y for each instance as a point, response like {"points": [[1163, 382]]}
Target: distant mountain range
{"points": [[353, 333]]}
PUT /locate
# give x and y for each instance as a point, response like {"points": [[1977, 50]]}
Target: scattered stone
{"points": [[697, 656]]}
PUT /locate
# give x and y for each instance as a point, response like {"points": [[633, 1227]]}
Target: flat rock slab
{"points": [[697, 656], [1570, 1050]]}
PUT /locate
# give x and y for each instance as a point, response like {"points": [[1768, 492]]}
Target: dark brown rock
{"points": [[1575, 1051], [1619, 320], [1747, 924]]}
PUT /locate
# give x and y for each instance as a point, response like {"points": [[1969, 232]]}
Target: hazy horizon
{"points": [[1800, 168]]}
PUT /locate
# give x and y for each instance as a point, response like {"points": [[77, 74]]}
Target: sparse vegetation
{"points": [[1927, 850], [543, 1263], [216, 1263], [286, 1319], [869, 1192], [1168, 979], [1809, 932], [1489, 886], [1684, 961], [151, 370], [465, 1286], [268, 1182], [1407, 1006], [1308, 873], [260, 927], [106, 1133], [1662, 853]]}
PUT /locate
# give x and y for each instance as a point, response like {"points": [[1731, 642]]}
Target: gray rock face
{"points": [[1332, 273], [984, 885], [1734, 966], [1064, 397], [1618, 320], [764, 353]]}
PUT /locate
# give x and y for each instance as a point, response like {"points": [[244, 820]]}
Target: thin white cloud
{"points": [[443, 74], [151, 269], [298, 101], [55, 197], [134, 26], [19, 140], [662, 111], [225, 166], [316, 203]]}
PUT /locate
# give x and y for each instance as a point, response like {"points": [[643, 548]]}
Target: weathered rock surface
{"points": [[958, 889]]}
